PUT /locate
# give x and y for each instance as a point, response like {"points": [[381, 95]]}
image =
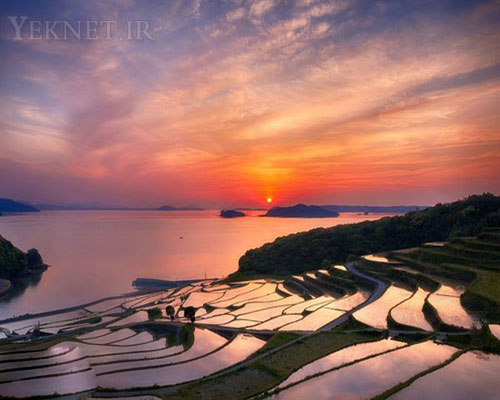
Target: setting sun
{"points": [[269, 200]]}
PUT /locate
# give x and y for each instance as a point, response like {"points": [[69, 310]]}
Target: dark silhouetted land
{"points": [[309, 250], [231, 214], [8, 206], [301, 211]]}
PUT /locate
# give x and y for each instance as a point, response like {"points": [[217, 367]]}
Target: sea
{"points": [[97, 254]]}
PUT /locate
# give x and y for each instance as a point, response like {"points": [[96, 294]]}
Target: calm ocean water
{"points": [[95, 254]]}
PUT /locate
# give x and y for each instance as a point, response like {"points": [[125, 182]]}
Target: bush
{"points": [[34, 258], [154, 313]]}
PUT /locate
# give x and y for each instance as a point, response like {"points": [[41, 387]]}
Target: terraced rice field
{"points": [[446, 301], [410, 311], [368, 378], [375, 314], [235, 351], [122, 343], [339, 358], [112, 346], [473, 375]]}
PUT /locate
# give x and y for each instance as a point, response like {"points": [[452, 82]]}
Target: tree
{"points": [[190, 312], [170, 311], [154, 313], [34, 258]]}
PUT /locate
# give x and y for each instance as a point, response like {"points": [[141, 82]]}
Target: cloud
{"points": [[308, 100], [235, 14], [260, 7]]}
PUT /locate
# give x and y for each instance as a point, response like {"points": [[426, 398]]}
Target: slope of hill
{"points": [[16, 264], [8, 205], [309, 250], [373, 209]]}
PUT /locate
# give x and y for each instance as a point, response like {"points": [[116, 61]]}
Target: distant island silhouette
{"points": [[172, 208], [364, 209], [301, 211], [231, 214], [8, 205], [97, 207]]}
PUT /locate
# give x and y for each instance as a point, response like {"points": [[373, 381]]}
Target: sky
{"points": [[227, 103]]}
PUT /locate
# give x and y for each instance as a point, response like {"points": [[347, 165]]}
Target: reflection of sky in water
{"points": [[95, 254], [76, 382], [205, 342], [349, 302], [371, 377], [447, 303], [240, 348], [340, 357], [410, 312], [315, 320], [473, 375], [278, 322], [495, 329], [375, 314]]}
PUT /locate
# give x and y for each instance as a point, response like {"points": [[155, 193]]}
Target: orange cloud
{"points": [[315, 103]]}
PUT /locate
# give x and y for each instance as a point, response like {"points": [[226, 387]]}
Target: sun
{"points": [[269, 199]]}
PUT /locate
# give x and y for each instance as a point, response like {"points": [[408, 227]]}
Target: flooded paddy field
{"points": [[375, 314], [410, 311], [474, 375], [373, 376], [447, 303], [206, 329], [338, 358]]}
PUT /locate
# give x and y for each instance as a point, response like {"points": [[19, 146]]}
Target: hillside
{"points": [[310, 250], [8, 205], [301, 211], [373, 209], [14, 263]]}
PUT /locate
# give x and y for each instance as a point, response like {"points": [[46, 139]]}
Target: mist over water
{"points": [[95, 254]]}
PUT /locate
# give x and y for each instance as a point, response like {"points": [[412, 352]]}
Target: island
{"points": [[11, 206], [16, 266], [231, 214], [172, 208], [301, 211]]}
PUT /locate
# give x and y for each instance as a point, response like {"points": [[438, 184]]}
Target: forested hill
{"points": [[14, 263], [310, 250]]}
